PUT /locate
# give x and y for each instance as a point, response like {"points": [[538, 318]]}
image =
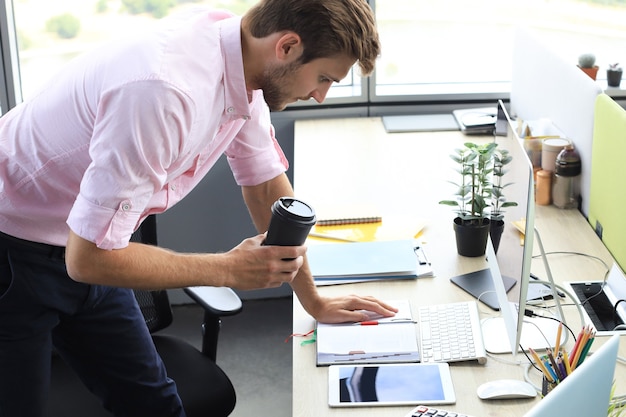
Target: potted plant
{"points": [[473, 197], [501, 158], [587, 63], [614, 75]]}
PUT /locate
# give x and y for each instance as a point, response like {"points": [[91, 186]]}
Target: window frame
{"points": [[10, 83]]}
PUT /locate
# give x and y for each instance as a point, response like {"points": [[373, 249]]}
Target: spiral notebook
{"points": [[347, 214]]}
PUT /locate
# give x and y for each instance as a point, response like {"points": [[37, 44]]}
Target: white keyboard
{"points": [[451, 333]]}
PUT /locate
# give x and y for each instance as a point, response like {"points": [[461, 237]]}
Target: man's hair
{"points": [[327, 27]]}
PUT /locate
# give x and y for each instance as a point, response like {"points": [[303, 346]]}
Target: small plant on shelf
{"points": [[614, 75], [587, 63]]}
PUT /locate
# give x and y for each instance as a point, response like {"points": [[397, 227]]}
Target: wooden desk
{"points": [[350, 158]]}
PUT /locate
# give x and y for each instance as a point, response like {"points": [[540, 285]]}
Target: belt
{"points": [[57, 252]]}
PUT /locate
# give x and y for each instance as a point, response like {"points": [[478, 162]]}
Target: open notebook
{"points": [[381, 340]]}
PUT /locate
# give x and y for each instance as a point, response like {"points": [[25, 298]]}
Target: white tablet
{"points": [[390, 384]]}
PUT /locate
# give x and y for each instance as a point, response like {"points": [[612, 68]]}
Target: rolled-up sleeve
{"points": [[255, 155]]}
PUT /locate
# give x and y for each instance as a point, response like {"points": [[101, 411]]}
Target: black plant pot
{"points": [[613, 78], [471, 237], [496, 228]]}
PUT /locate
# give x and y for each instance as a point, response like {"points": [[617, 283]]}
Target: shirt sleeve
{"points": [[137, 137], [255, 155]]}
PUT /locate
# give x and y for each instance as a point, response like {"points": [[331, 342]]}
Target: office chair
{"points": [[204, 388]]}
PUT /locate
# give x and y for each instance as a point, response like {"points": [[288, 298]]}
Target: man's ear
{"points": [[289, 46]]}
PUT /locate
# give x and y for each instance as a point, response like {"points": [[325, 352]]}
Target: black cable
{"points": [[606, 274], [530, 313], [616, 316], [530, 360]]}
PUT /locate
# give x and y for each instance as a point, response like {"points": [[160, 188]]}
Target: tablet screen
{"points": [[390, 384]]}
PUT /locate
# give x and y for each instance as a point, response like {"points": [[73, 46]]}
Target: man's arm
{"points": [[259, 200], [247, 266]]}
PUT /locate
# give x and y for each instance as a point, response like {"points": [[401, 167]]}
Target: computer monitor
{"points": [[586, 392], [515, 255]]}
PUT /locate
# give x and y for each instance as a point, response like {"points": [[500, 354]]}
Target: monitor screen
{"points": [[515, 252]]}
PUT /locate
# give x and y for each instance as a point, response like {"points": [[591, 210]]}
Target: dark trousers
{"points": [[98, 330]]}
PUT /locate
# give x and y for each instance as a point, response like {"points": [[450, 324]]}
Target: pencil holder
{"points": [[547, 386]]}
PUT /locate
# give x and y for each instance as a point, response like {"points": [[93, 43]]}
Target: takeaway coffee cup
{"points": [[291, 222]]}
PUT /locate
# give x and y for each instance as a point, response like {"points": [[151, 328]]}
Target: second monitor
{"points": [[514, 259]]}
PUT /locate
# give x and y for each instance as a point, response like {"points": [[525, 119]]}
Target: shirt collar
{"points": [[237, 97]]}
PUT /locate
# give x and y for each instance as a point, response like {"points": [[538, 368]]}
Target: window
{"points": [[445, 50], [50, 33], [435, 49]]}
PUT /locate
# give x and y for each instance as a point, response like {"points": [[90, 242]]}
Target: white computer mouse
{"points": [[505, 389]]}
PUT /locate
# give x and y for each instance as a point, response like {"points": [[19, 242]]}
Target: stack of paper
{"points": [[382, 340], [478, 121], [340, 263]]}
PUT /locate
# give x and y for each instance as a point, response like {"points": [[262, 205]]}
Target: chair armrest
{"points": [[218, 301]]}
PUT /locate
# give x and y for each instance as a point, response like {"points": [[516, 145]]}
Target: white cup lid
{"points": [[554, 144]]}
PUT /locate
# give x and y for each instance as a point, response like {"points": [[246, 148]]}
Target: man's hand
{"points": [[253, 266], [350, 309]]}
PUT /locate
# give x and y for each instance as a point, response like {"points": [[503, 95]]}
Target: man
{"points": [[128, 131]]}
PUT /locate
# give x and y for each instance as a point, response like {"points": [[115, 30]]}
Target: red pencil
{"points": [[581, 346], [575, 348]]}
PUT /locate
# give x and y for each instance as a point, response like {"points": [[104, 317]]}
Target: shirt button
{"points": [[230, 109], [173, 187], [125, 207]]}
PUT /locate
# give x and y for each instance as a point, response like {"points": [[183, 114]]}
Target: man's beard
{"points": [[274, 82]]}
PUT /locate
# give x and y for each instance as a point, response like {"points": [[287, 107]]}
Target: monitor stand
{"points": [[537, 333], [480, 285]]}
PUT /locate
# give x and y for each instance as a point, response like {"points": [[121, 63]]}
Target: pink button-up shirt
{"points": [[130, 129]]}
